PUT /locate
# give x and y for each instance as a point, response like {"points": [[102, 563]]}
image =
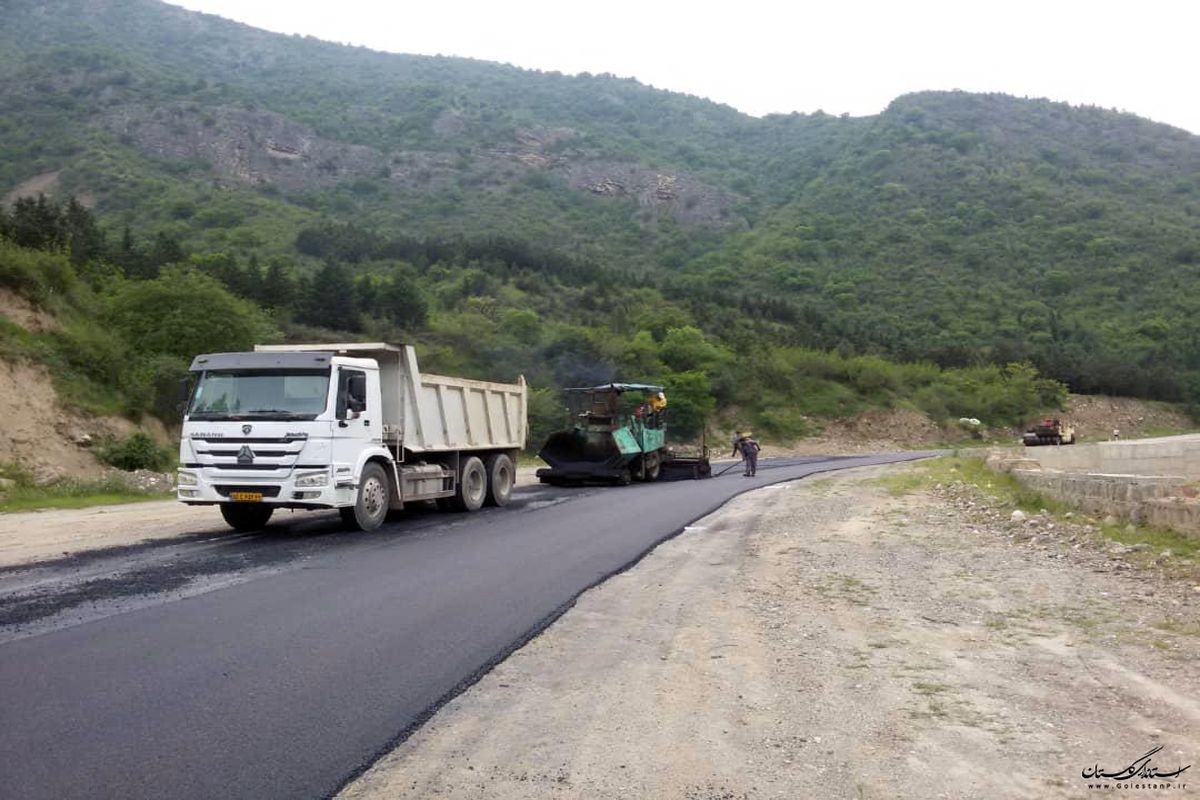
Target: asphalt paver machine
{"points": [[616, 434]]}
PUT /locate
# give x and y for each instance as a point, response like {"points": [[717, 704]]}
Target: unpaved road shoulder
{"points": [[27, 537], [823, 639], [30, 536]]}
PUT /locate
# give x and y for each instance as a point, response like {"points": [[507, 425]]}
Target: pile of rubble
{"points": [[144, 480]]}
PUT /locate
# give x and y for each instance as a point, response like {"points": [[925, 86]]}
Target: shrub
{"points": [[137, 451], [186, 312]]}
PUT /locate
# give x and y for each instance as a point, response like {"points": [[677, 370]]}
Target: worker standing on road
{"points": [[749, 449], [737, 440]]}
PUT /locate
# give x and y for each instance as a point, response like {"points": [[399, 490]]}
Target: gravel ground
{"points": [[824, 639]]}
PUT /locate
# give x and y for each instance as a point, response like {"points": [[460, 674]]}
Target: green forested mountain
{"points": [[580, 227]]}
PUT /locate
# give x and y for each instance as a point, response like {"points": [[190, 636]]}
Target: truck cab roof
{"points": [[284, 360]]}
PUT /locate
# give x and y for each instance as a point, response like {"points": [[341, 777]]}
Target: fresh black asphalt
{"points": [[281, 665]]}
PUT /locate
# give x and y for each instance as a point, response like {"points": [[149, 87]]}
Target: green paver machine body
{"points": [[617, 435]]}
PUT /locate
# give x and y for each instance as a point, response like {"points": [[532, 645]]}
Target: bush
{"points": [[35, 274], [547, 414], [690, 404], [137, 451], [783, 424], [186, 312]]}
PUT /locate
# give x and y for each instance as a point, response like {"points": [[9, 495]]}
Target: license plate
{"points": [[246, 497]]}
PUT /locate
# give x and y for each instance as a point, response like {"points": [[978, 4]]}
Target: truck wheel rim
{"points": [[373, 497], [475, 483]]}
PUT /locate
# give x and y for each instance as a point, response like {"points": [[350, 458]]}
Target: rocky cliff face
{"points": [[262, 148], [246, 147]]}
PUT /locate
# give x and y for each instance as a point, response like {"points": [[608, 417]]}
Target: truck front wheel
{"points": [[374, 496], [472, 485], [501, 476], [245, 517]]}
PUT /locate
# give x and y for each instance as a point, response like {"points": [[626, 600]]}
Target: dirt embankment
{"points": [[1097, 416], [18, 310], [874, 431], [33, 426], [879, 430], [45, 183], [39, 432], [823, 639]]}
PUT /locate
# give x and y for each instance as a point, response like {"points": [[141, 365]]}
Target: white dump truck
{"points": [[355, 427]]}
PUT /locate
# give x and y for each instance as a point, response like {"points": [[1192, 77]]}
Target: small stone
{"points": [[1018, 516], [1110, 520]]}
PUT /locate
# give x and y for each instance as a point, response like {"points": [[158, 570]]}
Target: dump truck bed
{"points": [[435, 413]]}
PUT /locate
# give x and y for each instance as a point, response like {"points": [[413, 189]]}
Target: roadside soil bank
{"points": [[823, 638], [30, 536], [883, 430], [1095, 417], [41, 434]]}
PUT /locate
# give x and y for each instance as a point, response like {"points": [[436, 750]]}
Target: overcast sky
{"points": [[839, 56]]}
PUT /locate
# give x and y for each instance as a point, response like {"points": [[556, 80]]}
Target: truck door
{"points": [[357, 417]]}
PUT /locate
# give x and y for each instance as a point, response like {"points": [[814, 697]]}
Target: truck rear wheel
{"points": [[246, 516], [374, 496], [472, 485], [501, 476]]}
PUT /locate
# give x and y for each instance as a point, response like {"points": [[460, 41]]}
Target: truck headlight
{"points": [[185, 478], [313, 479]]}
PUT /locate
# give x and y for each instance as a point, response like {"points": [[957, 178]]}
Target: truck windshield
{"points": [[260, 394]]}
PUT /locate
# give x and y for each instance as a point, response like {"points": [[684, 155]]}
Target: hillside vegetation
{"points": [[942, 255], [122, 340]]}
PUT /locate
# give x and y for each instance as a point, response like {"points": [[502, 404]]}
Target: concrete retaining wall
{"points": [[1177, 513], [1075, 475], [1171, 455], [1120, 495]]}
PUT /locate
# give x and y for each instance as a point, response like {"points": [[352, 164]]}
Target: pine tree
{"points": [[84, 239], [277, 289], [166, 250], [37, 224], [330, 300]]}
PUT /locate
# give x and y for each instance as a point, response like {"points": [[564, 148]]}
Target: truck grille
{"points": [[251, 454]]}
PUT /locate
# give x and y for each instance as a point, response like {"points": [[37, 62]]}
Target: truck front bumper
{"points": [[200, 487]]}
